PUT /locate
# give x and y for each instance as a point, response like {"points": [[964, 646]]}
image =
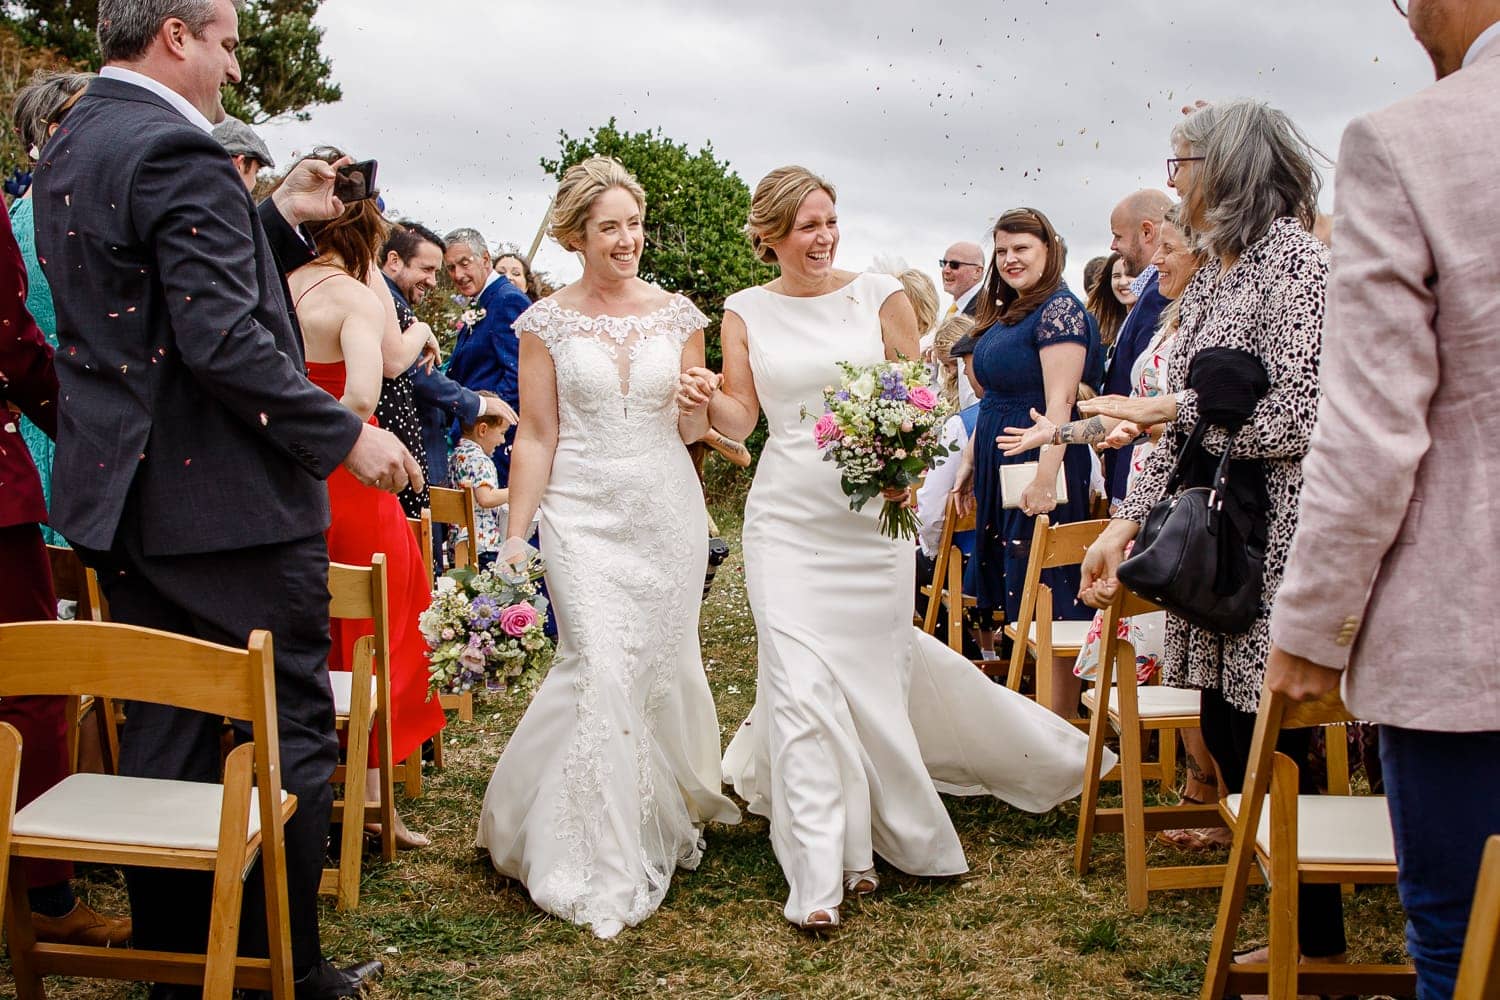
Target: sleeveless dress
{"points": [[365, 521], [860, 719], [1007, 362], [604, 787]]}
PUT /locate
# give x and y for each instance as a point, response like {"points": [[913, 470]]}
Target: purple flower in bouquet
{"points": [[484, 611]]}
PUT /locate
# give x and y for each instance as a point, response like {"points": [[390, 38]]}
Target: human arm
{"points": [[1043, 431], [695, 390], [735, 408], [27, 378], [434, 390], [932, 495], [304, 195], [361, 343], [399, 349], [963, 479], [1144, 411], [898, 328], [490, 497], [536, 436], [1062, 367], [1373, 432]]}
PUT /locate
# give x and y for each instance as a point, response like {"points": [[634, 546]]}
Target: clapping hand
{"points": [[306, 194], [695, 387], [1016, 440]]}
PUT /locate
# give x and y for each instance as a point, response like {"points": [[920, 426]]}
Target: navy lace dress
{"points": [[1007, 362]]}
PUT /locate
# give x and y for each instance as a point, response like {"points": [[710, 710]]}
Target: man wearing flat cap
{"points": [[245, 148]]}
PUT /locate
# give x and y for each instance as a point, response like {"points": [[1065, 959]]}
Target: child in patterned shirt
{"points": [[471, 465]]}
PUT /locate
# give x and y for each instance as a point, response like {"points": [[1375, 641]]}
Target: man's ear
{"points": [[174, 34]]}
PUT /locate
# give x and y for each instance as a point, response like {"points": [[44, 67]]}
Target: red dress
{"points": [[365, 521]]}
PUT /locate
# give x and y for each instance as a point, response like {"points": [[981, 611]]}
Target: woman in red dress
{"points": [[351, 339]]}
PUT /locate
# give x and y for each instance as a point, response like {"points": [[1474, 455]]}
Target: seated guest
{"points": [[248, 150], [487, 353], [471, 464]]}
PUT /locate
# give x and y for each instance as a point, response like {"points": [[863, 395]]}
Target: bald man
{"points": [[1135, 225], [963, 267]]}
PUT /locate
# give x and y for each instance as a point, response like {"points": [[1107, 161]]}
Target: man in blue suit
{"points": [[410, 261], [487, 355]]}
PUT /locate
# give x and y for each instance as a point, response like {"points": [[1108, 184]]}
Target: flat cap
{"points": [[239, 139]]}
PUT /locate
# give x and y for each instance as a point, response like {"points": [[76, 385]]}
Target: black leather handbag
{"points": [[1200, 553]]}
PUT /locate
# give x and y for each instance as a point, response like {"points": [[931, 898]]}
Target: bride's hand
{"points": [[514, 552], [695, 387], [1015, 440], [898, 494]]}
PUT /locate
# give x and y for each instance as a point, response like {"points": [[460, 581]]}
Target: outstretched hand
{"points": [[1016, 440], [306, 193]]}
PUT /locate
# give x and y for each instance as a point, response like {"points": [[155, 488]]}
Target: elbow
{"points": [[361, 403], [391, 367]]}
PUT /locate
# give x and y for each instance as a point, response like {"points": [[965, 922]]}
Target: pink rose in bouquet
{"points": [[517, 618], [826, 431], [922, 398]]}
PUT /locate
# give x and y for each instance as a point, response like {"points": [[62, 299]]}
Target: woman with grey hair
{"points": [[1246, 361], [38, 110]]}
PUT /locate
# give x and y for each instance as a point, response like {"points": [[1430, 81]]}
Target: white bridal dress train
{"points": [[603, 789], [860, 719]]}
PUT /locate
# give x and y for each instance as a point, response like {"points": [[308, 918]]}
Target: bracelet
{"points": [[1056, 436]]}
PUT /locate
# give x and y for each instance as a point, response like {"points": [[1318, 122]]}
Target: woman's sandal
{"points": [[821, 921], [1202, 838], [861, 883]]}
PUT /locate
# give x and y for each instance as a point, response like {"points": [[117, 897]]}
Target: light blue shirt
{"points": [[161, 90], [1485, 37]]}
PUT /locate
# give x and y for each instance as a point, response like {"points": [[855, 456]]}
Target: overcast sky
{"points": [[931, 118]]}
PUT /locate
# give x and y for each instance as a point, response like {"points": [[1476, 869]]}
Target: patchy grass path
{"points": [[1021, 924]]}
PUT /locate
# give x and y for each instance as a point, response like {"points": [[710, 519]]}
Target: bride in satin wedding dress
{"points": [[603, 790], [860, 719]]}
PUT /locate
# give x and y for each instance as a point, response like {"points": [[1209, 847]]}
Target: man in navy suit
{"points": [[192, 449], [487, 354]]}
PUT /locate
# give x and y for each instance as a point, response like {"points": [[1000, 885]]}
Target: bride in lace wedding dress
{"points": [[604, 788]]}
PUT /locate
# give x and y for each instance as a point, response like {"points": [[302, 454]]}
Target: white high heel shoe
{"points": [[861, 883], [821, 921]]}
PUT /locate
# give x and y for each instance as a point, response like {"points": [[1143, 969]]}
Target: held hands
{"points": [[1016, 440], [379, 459], [1124, 433], [306, 195], [1140, 410], [1299, 678], [695, 387]]}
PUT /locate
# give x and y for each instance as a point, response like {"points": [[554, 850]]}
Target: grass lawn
{"points": [[1020, 924]]}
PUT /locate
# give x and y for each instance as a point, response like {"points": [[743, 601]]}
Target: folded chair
{"points": [[456, 507], [1296, 839], [1134, 711], [947, 589], [71, 581], [112, 820]]}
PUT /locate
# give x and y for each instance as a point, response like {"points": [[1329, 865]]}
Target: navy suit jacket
{"points": [[180, 363], [487, 355], [1134, 337], [440, 401]]}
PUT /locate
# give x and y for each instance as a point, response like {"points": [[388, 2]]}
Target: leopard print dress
{"points": [[1270, 303]]}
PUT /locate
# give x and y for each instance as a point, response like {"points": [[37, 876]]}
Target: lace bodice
{"points": [[616, 375]]}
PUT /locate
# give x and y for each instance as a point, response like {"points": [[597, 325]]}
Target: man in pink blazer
{"points": [[1395, 569]]}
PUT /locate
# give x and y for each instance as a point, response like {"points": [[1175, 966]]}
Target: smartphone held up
{"points": [[356, 182]]}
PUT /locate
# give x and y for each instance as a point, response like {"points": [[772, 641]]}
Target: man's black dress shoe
{"points": [[325, 982]]}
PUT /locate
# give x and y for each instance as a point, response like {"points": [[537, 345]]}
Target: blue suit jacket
{"points": [[440, 401], [487, 355], [1135, 336]]}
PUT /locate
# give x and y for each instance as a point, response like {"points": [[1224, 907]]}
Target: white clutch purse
{"points": [[1015, 478]]}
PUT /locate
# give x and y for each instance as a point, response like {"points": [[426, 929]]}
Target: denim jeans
{"points": [[1441, 792]]}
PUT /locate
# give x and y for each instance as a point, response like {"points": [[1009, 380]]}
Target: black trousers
{"points": [[1227, 731], [222, 597]]}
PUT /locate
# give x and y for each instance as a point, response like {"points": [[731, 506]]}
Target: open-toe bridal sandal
{"points": [[861, 883], [821, 921]]}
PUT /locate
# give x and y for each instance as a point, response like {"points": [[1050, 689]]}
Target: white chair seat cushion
{"points": [[342, 683], [145, 812], [1334, 829], [1154, 701], [1064, 633]]}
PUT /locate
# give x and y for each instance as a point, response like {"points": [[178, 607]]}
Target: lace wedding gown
{"points": [[859, 718], [612, 772]]}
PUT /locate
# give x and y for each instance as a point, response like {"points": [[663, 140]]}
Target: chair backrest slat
{"points": [[1066, 543], [454, 506], [350, 589]]}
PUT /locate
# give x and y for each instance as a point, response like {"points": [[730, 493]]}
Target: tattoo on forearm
{"points": [[1081, 431]]}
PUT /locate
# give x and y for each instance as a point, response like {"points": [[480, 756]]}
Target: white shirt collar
{"points": [[963, 300], [494, 277], [161, 90], [1485, 37]]}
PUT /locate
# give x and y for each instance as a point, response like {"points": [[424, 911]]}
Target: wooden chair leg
{"points": [[1479, 971], [229, 869], [77, 708], [356, 770], [437, 752], [1166, 753], [387, 771], [1088, 805], [1284, 953], [466, 707], [1133, 791], [411, 775], [21, 937]]}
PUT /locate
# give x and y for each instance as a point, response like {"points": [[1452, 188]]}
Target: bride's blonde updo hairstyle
{"points": [[580, 186], [773, 209]]}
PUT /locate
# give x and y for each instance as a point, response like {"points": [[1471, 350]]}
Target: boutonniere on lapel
{"points": [[471, 316]]}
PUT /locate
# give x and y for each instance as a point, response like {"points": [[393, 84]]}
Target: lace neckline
{"points": [[618, 328]]}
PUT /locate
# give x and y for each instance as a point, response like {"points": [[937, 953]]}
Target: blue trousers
{"points": [[1441, 792]]}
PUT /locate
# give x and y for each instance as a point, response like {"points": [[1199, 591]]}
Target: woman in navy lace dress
{"points": [[1037, 339]]}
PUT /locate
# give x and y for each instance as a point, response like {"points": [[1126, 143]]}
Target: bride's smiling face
{"points": [[614, 235], [808, 250]]}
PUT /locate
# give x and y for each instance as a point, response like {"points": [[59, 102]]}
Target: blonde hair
{"points": [[923, 295], [948, 333], [773, 209], [579, 188]]}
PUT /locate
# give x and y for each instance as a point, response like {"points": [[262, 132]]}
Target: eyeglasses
{"points": [[954, 265], [1400, 7], [1174, 164]]}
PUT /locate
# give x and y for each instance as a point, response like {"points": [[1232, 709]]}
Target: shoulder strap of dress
{"points": [[310, 287]]}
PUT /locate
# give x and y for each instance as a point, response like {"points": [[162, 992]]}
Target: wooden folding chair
{"points": [[1134, 711], [353, 707], [421, 527], [72, 581], [1479, 971], [947, 587], [1298, 839], [456, 507], [1035, 633], [112, 820]]}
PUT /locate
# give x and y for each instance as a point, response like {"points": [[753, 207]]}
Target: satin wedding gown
{"points": [[604, 788], [860, 719]]}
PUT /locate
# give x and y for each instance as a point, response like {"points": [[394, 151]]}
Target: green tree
{"points": [[695, 216], [284, 70]]}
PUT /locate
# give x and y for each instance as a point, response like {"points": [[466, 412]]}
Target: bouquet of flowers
{"points": [[881, 428], [486, 628]]}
